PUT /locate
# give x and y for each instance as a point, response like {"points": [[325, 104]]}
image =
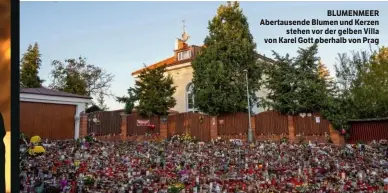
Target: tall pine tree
{"points": [[281, 83], [219, 71], [153, 91], [312, 89], [30, 64], [295, 85]]}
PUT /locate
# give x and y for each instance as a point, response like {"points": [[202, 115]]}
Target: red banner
{"points": [[143, 122]]}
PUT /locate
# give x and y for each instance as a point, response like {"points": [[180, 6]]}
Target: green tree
{"points": [[78, 77], [362, 88], [128, 101], [153, 91], [296, 85], [349, 70], [30, 65], [281, 83], [219, 70], [371, 94]]}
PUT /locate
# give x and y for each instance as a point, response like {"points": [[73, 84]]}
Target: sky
{"points": [[121, 37]]}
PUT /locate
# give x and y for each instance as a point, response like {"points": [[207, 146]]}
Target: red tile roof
{"points": [[172, 61], [169, 61]]}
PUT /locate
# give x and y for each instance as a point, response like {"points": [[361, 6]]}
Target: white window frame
{"points": [[189, 90], [183, 56]]}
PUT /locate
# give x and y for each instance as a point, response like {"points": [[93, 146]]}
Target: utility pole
{"points": [[250, 137]]}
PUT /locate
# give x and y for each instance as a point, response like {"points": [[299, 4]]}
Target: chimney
{"points": [[180, 44], [176, 44]]}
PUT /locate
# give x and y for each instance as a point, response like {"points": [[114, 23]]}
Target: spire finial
{"points": [[185, 36], [184, 26]]}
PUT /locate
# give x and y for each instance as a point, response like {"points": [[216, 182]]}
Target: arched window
{"points": [[190, 98]]}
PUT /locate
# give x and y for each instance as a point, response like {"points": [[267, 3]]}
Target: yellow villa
{"points": [[178, 66]]}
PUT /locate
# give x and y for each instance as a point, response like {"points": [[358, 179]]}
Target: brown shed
{"points": [[51, 114]]}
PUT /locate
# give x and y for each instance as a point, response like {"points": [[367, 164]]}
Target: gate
{"points": [[104, 123]]}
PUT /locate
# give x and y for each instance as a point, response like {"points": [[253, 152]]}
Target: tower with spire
{"points": [[181, 42]]}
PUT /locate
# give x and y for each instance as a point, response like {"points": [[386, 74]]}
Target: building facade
{"points": [[179, 68]]}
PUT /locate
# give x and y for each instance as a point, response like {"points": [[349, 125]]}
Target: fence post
{"points": [[123, 127], [163, 128], [253, 125], [83, 125], [213, 128], [291, 128]]}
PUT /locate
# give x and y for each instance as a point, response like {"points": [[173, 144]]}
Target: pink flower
{"points": [[343, 131]]}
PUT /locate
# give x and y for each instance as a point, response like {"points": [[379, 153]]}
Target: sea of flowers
{"points": [[182, 164]]}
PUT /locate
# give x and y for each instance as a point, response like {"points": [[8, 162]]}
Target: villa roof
{"points": [[171, 61]]}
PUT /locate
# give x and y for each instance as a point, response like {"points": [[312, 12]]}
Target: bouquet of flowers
{"points": [[176, 188], [89, 180], [284, 140], [185, 138], [36, 150], [35, 140], [89, 138]]}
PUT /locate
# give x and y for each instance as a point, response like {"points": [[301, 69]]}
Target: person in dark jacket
{"points": [[2, 156]]}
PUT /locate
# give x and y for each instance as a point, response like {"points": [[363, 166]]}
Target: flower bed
{"points": [[221, 165]]}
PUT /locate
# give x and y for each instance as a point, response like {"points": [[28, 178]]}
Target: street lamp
{"points": [[250, 137]]}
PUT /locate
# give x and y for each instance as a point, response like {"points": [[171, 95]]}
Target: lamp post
{"points": [[250, 134]]}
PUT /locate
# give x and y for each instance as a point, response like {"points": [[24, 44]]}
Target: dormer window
{"points": [[184, 55]]}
